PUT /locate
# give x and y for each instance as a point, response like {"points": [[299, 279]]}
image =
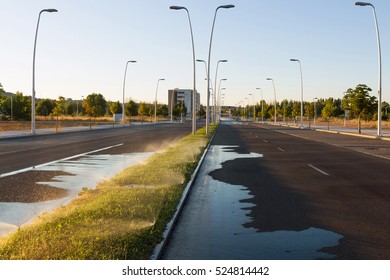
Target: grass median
{"points": [[122, 218]]}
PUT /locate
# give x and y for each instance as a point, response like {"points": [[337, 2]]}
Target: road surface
{"points": [[26, 152], [268, 192]]}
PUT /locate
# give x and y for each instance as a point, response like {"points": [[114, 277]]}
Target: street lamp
{"points": [[216, 103], [220, 96], [262, 112], [33, 74], [273, 83], [208, 66], [155, 101], [300, 68], [194, 69], [379, 133], [124, 84], [215, 96], [254, 107]]}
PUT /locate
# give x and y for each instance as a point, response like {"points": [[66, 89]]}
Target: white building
{"points": [[176, 96]]}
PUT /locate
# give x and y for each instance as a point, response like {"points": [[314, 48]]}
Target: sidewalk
{"points": [[366, 132], [9, 134]]}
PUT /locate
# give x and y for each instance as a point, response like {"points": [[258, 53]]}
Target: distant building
{"points": [[176, 96]]}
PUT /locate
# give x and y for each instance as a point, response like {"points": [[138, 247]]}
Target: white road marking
{"points": [[55, 161], [265, 141], [280, 149], [319, 170]]}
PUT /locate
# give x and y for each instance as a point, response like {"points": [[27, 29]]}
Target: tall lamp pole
{"points": [[379, 132], [33, 74], [300, 68], [262, 112], [194, 69], [273, 83], [124, 85], [216, 90], [208, 66], [254, 107], [155, 101]]}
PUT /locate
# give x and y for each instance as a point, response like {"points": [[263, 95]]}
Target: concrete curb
{"points": [[335, 132], [158, 250]]}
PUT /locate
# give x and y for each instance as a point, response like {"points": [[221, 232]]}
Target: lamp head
{"points": [[177, 8], [294, 59], [363, 4], [50, 10], [226, 6]]}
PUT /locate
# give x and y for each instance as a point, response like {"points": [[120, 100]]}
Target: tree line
{"points": [[356, 104], [18, 107]]}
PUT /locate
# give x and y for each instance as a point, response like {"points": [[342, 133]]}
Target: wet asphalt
{"points": [[266, 192]]}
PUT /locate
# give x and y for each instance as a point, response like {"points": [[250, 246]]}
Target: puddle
{"points": [[85, 171], [248, 243], [216, 217]]}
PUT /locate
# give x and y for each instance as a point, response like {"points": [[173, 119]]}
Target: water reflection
{"points": [[85, 171], [216, 213]]}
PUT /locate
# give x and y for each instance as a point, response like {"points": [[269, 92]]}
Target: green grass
{"points": [[122, 218]]}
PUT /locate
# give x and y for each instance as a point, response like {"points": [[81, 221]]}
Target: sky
{"points": [[84, 48]]}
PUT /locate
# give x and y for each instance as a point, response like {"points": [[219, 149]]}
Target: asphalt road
{"points": [[269, 192], [26, 152]]}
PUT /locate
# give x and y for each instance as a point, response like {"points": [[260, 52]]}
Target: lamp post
{"points": [[215, 96], [208, 66], [273, 83], [379, 132], [124, 85], [216, 103], [220, 96], [254, 107], [155, 101], [33, 71], [194, 68], [300, 68], [262, 112]]}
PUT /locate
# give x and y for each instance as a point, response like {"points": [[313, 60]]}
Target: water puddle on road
{"points": [[234, 241], [85, 171]]}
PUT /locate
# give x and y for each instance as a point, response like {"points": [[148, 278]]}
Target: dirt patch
{"points": [[23, 187]]}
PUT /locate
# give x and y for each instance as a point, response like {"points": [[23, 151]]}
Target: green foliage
{"points": [[21, 106], [60, 108], [359, 103], [115, 108], [132, 108], [95, 105], [45, 107]]}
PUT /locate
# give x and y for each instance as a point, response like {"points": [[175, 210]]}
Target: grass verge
{"points": [[122, 218]]}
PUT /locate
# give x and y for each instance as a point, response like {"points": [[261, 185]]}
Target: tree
{"points": [[131, 109], [95, 105], [359, 102], [329, 110], [309, 112], [59, 110], [45, 107], [142, 110], [115, 108], [21, 106]]}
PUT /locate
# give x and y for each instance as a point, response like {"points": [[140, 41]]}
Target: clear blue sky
{"points": [[84, 47]]}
